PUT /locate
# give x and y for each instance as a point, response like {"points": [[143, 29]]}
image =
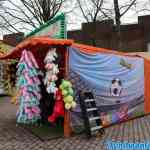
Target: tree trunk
{"points": [[118, 22], [93, 39]]}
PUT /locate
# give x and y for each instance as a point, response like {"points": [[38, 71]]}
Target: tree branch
{"points": [[132, 3]]}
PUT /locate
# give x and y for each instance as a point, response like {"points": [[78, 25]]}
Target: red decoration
{"points": [[58, 108]]}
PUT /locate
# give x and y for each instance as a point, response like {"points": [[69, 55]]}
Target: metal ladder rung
{"points": [[96, 128], [89, 100], [91, 109], [94, 118]]}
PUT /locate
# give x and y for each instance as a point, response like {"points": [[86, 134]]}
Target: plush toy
{"points": [[58, 108], [51, 88], [49, 66], [67, 93], [52, 71], [55, 69], [51, 56]]}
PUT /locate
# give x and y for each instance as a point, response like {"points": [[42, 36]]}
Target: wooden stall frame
{"points": [[67, 127]]}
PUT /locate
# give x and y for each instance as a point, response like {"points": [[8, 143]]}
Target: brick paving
{"points": [[14, 137]]}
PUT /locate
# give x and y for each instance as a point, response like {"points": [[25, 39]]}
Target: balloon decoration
{"points": [[28, 88], [52, 71], [58, 110], [68, 94]]}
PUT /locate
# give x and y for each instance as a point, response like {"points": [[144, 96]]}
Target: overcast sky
{"points": [[75, 19], [130, 17]]}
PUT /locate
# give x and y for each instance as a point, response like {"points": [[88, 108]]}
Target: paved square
{"points": [[13, 137]]}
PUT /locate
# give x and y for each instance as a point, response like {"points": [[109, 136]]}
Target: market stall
{"points": [[119, 82], [42, 64]]}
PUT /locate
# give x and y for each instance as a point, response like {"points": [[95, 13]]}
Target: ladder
{"points": [[90, 115]]}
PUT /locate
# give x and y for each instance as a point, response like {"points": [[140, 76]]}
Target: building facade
{"points": [[134, 37]]}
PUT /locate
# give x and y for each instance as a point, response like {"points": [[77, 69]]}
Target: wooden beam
{"points": [[67, 127]]}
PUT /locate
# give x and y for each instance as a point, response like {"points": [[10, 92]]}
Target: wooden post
{"points": [[67, 127]]}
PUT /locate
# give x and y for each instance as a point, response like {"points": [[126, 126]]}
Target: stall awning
{"points": [[34, 43]]}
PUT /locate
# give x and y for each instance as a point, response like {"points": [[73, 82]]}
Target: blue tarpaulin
{"points": [[116, 81]]}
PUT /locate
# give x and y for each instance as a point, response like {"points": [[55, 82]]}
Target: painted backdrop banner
{"points": [[117, 83]]}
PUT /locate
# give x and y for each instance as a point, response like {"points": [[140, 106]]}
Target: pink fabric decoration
{"points": [[29, 80], [30, 115], [36, 80], [36, 110], [28, 59], [23, 56], [24, 91], [33, 59], [38, 96], [27, 110], [27, 98]]}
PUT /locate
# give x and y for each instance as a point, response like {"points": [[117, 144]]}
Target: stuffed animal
{"points": [[51, 88], [67, 93], [49, 66], [58, 108], [51, 56], [52, 71]]}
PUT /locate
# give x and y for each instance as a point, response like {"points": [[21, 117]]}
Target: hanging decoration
{"points": [[28, 88], [58, 110], [68, 94], [7, 77], [51, 71]]}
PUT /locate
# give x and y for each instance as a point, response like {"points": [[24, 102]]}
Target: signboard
{"points": [[55, 28]]}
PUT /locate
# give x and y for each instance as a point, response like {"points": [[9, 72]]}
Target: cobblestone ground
{"points": [[17, 138]]}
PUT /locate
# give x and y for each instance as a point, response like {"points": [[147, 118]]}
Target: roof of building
{"points": [[33, 43]]}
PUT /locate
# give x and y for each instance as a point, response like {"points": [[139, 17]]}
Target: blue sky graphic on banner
{"points": [[118, 83]]}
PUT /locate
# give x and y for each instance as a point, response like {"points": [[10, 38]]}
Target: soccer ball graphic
{"points": [[116, 87]]}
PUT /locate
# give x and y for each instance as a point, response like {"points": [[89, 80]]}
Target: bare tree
{"points": [[120, 11], [143, 7], [98, 10], [22, 15], [93, 11]]}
